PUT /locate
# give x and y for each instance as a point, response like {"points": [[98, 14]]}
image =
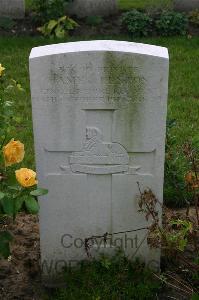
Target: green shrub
{"points": [[172, 23], [46, 10], [94, 20], [6, 23], [194, 17], [137, 23]]}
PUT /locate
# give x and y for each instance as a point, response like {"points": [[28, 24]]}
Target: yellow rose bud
{"points": [[1, 70], [26, 177], [13, 152]]}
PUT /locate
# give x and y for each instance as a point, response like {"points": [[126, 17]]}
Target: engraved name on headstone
{"points": [[99, 116]]}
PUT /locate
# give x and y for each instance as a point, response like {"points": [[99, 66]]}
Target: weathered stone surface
{"points": [[83, 8], [99, 114], [12, 8], [186, 5]]}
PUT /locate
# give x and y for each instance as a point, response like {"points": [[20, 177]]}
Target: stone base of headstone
{"points": [[84, 8], [186, 5], [12, 8]]}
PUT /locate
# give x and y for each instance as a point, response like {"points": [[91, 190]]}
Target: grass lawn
{"points": [[141, 4], [108, 279], [129, 4]]}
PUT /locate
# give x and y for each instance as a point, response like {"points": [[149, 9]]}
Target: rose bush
{"points": [[17, 186]]}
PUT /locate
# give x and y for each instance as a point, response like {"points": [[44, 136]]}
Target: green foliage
{"points": [[94, 20], [46, 10], [6, 23], [109, 278], [39, 192], [32, 205], [175, 194], [195, 296], [171, 23], [137, 23], [194, 17], [9, 119], [178, 239], [13, 197], [58, 28]]}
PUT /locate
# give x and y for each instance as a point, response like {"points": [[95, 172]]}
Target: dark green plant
{"points": [[137, 23], [6, 23], [171, 23], [45, 10], [94, 20]]}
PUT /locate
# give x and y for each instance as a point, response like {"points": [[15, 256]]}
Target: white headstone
{"points": [[83, 8], [186, 5], [12, 8], [99, 114]]}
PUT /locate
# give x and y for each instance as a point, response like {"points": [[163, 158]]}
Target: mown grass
{"points": [[130, 4], [144, 4], [108, 278]]}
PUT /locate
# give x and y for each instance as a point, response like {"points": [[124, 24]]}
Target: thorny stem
{"points": [[196, 205], [172, 285], [194, 165], [185, 284], [194, 266], [152, 214]]}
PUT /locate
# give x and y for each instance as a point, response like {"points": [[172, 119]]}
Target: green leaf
{"points": [[8, 206], [39, 192], [62, 19], [5, 239], [2, 195], [18, 203], [32, 205], [182, 244], [59, 32], [51, 25], [14, 187], [6, 236]]}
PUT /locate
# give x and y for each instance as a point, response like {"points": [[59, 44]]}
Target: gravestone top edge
{"points": [[100, 45]]}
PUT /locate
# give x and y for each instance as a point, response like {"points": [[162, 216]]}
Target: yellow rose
{"points": [[26, 177], [1, 70], [13, 152]]}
